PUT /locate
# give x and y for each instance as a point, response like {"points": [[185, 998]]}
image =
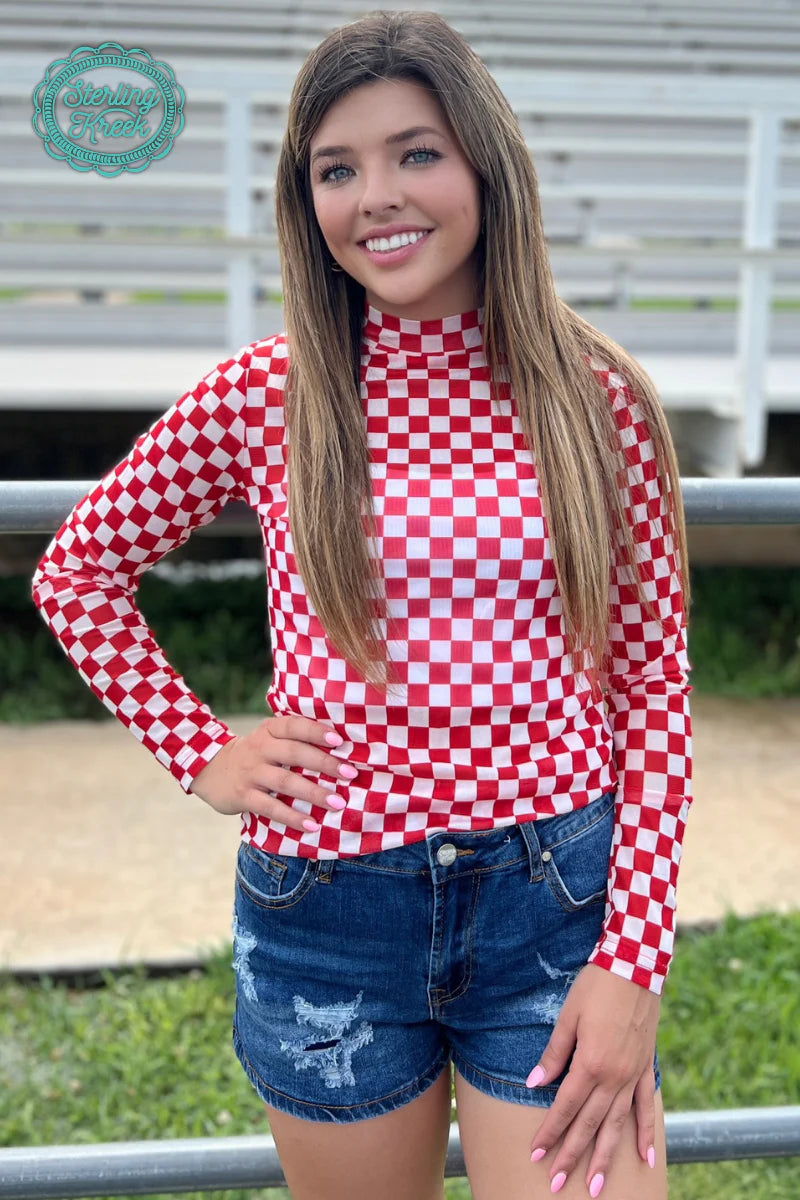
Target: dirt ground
{"points": [[103, 859]]}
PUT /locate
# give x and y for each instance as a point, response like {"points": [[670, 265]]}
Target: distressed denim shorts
{"points": [[359, 979]]}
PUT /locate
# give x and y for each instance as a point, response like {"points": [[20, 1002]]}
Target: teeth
{"points": [[395, 241]]}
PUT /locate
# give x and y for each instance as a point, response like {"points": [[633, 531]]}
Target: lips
{"points": [[400, 254]]}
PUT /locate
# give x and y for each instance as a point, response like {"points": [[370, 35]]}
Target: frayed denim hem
{"points": [[501, 1089], [517, 1093], [340, 1114]]}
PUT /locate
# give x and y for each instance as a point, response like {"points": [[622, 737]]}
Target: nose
{"points": [[380, 190]]}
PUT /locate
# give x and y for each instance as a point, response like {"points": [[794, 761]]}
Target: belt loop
{"points": [[528, 831], [531, 840], [324, 869]]}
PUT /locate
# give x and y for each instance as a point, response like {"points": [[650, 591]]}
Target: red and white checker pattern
{"points": [[647, 698], [490, 725], [178, 476]]}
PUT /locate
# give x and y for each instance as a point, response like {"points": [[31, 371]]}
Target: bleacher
{"points": [[666, 140]]}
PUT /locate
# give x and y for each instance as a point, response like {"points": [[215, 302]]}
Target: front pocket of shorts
{"points": [[273, 880], [576, 866]]}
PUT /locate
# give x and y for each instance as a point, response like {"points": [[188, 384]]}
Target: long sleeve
{"points": [[178, 476], [647, 698]]}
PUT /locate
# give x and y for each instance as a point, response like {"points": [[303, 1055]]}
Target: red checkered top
{"points": [[491, 725]]}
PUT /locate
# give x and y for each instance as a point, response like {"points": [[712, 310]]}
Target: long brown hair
{"points": [[532, 339]]}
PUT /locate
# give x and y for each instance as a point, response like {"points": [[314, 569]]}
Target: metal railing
{"points": [[216, 1164], [39, 506]]}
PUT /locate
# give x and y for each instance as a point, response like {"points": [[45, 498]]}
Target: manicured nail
{"points": [[310, 825], [536, 1076], [337, 802], [333, 739], [596, 1185], [651, 1155], [558, 1181], [538, 1153]]}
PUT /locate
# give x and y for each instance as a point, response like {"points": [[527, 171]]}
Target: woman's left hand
{"points": [[614, 1023]]}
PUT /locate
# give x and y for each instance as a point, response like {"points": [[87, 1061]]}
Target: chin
{"points": [[407, 297]]}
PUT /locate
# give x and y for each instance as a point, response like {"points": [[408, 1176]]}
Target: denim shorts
{"points": [[358, 980]]}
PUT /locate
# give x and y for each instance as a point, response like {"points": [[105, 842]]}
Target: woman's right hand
{"points": [[241, 775]]}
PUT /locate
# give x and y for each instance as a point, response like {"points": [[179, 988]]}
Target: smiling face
{"points": [[363, 182]]}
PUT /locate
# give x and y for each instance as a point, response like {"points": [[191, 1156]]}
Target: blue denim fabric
{"points": [[358, 980]]}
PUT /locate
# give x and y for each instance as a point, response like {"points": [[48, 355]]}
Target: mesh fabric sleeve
{"points": [[178, 476], [647, 697]]}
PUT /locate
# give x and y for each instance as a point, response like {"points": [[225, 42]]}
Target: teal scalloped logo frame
{"points": [[128, 106]]}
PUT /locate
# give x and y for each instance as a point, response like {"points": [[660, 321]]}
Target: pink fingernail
{"points": [[538, 1153], [596, 1185], [333, 739], [310, 825], [337, 802], [651, 1155], [536, 1076], [558, 1181]]}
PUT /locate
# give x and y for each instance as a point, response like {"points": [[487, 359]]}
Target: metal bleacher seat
{"points": [[666, 140]]}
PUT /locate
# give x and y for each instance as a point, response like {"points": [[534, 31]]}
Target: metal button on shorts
{"points": [[359, 979]]}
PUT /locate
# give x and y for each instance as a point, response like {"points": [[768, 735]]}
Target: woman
{"points": [[479, 631]]}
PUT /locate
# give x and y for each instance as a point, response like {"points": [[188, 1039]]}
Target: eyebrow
{"points": [[392, 139]]}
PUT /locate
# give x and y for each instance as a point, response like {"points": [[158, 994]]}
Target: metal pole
{"points": [[755, 297], [39, 506], [238, 214], [720, 1135], [214, 1164]]}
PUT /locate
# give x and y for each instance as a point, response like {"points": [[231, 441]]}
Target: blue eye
{"points": [[325, 174], [424, 150]]}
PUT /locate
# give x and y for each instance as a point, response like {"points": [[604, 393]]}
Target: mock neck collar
{"points": [[458, 333]]}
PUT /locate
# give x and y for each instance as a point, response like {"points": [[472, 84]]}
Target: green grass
{"points": [[142, 1058], [714, 303], [183, 297], [161, 297], [185, 233], [641, 304]]}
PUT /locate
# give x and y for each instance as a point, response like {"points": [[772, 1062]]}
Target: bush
{"points": [[744, 640], [214, 632]]}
